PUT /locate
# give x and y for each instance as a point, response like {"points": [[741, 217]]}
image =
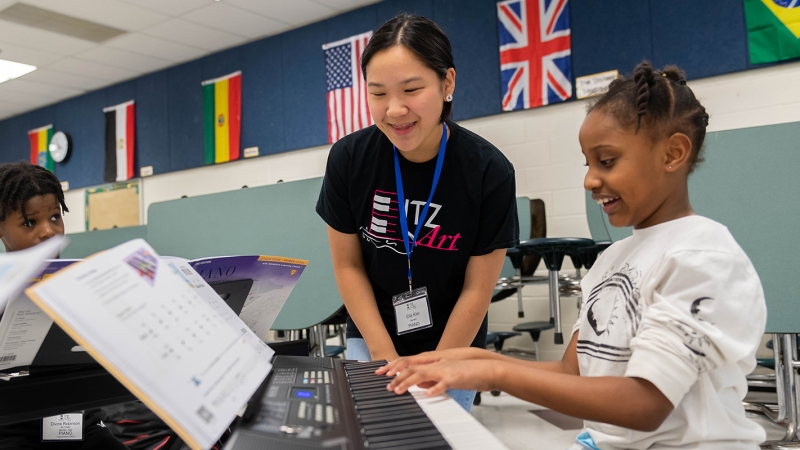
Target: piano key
{"points": [[425, 442]]}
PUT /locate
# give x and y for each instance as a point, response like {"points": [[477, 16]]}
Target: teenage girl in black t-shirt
{"points": [[457, 192]]}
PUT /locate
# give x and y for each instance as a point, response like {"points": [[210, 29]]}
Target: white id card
{"points": [[412, 311], [63, 427]]}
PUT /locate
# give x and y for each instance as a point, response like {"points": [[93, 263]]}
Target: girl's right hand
{"points": [[453, 354]]}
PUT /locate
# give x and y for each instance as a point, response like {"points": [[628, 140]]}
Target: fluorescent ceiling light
{"points": [[10, 70]]}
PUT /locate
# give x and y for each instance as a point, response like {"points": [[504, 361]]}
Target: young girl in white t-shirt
{"points": [[673, 315]]}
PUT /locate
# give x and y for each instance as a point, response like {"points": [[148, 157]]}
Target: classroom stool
{"points": [[535, 329], [553, 251], [499, 337], [517, 256]]}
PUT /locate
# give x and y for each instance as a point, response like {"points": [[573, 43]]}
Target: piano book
{"points": [[163, 332], [273, 277]]}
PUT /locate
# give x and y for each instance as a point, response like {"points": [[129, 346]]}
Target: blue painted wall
{"points": [[283, 77]]}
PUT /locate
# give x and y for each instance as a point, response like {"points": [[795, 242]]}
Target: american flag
{"points": [[347, 91], [534, 52]]}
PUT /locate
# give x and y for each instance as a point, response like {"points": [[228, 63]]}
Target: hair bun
{"points": [[675, 74]]}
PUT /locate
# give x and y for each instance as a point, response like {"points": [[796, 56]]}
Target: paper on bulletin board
{"points": [[113, 206]]}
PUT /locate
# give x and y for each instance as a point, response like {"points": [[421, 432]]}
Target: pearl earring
{"points": [[448, 98]]}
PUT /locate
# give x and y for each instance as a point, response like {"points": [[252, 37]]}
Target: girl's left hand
{"points": [[441, 376]]}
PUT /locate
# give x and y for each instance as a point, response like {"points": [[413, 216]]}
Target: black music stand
{"points": [[53, 389]]}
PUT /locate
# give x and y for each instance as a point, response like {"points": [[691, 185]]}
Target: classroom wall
{"points": [[283, 80], [542, 144]]}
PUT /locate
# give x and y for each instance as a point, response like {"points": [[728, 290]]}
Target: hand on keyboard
{"points": [[440, 376], [453, 354]]}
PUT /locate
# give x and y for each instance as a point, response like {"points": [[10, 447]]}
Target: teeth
{"points": [[602, 201]]}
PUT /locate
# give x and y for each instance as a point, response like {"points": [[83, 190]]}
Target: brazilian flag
{"points": [[773, 30]]}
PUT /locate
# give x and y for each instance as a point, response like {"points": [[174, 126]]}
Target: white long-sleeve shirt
{"points": [[680, 305]]}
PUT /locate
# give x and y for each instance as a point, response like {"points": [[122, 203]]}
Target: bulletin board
{"points": [[113, 206]]}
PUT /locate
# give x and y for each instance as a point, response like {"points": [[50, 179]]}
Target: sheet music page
{"points": [[17, 268], [161, 331], [24, 325]]}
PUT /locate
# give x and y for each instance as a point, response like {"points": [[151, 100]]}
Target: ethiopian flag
{"points": [[773, 30], [222, 117], [40, 141]]}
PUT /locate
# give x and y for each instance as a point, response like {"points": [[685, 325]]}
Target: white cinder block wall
{"points": [[543, 146]]}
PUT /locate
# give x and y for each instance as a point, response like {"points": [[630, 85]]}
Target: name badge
{"points": [[63, 427], [412, 311]]}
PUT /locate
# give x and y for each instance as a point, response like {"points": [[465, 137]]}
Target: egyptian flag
{"points": [[119, 142], [40, 143], [222, 117]]}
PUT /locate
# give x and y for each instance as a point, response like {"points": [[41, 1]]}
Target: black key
{"points": [[403, 443], [395, 436]]}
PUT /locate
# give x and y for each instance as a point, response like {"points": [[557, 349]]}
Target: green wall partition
{"points": [[88, 243]]}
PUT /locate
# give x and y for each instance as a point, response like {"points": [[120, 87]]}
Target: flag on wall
{"points": [[535, 49], [773, 30], [222, 117], [119, 142], [347, 92], [40, 141]]}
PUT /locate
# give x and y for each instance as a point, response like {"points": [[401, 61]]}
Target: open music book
{"points": [[24, 326], [17, 327], [163, 332]]}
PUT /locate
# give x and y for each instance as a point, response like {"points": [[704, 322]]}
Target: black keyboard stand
{"points": [[55, 391]]}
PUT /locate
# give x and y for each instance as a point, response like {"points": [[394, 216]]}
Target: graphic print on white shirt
{"points": [[613, 311]]}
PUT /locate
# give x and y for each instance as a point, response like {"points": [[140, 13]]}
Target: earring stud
{"points": [[448, 98]]}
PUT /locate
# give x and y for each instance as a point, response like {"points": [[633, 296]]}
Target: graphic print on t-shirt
{"points": [[384, 231], [613, 311]]}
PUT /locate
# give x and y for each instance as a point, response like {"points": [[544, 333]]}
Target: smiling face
{"points": [[44, 221], [627, 171], [406, 100]]}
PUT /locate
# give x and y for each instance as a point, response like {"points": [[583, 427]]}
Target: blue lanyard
{"points": [[401, 199]]}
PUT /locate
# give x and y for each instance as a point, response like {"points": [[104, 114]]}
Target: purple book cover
{"points": [[273, 277]]}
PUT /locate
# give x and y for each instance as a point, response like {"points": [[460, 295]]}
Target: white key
{"points": [[458, 427]]}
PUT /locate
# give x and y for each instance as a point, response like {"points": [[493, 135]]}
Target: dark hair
{"points": [[421, 36], [19, 182], [661, 102]]}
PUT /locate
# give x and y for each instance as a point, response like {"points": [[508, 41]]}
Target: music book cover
{"points": [[163, 332], [273, 277]]}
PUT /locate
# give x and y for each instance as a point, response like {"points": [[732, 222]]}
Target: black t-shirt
{"points": [[473, 212]]}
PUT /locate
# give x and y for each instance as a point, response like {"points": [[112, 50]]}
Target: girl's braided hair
{"points": [[661, 102]]}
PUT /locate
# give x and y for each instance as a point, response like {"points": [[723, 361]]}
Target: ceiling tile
{"points": [[194, 35], [100, 71], [68, 80], [123, 59], [21, 98], [169, 7], [296, 12], [236, 20], [155, 47], [124, 16], [39, 89], [345, 5], [42, 40], [16, 53]]}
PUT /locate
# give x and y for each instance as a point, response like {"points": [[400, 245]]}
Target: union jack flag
{"points": [[347, 91], [535, 51]]}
